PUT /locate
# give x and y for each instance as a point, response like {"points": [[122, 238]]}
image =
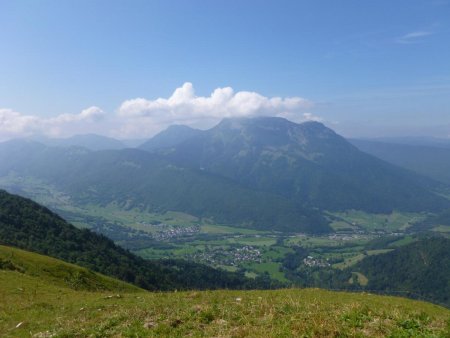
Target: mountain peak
{"points": [[172, 136], [178, 127], [314, 124], [276, 131]]}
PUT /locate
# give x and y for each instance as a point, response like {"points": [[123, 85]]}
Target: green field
{"points": [[442, 228], [227, 230], [395, 221], [402, 241], [352, 260], [271, 268]]}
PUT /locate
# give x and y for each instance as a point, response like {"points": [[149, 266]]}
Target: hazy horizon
{"points": [[408, 138]]}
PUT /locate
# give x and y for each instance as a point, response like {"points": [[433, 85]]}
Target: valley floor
{"points": [[31, 307]]}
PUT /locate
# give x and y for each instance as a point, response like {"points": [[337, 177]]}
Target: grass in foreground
{"points": [[32, 307]]}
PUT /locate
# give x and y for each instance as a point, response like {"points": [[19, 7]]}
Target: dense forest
{"points": [[27, 225], [419, 270]]}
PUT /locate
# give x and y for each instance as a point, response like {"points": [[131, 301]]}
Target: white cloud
{"points": [[311, 117], [413, 37], [223, 102], [91, 114], [142, 116], [14, 124]]}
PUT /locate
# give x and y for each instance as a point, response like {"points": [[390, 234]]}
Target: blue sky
{"points": [[365, 68]]}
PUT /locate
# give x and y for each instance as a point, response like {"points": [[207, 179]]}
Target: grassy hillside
{"points": [[31, 306], [58, 273]]}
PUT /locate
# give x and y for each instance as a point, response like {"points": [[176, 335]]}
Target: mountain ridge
{"points": [[134, 177], [170, 137], [306, 162], [88, 141]]}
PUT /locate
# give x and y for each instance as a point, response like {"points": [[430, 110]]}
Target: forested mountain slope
{"points": [[136, 178], [307, 163], [420, 269], [27, 225]]}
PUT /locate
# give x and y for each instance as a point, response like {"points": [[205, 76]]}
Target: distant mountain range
{"points": [[266, 173], [88, 141], [430, 158], [427, 141]]}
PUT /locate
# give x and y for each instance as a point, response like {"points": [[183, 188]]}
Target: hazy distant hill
{"points": [[27, 225], [307, 162], [432, 161], [136, 178], [89, 141], [427, 141]]}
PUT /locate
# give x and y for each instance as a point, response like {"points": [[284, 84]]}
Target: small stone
{"points": [[149, 324], [113, 296], [197, 308]]}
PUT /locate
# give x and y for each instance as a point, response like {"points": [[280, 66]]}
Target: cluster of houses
{"points": [[315, 262], [348, 237], [166, 232], [230, 257]]}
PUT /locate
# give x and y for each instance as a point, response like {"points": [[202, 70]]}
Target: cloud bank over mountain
{"points": [[140, 117], [14, 124]]}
